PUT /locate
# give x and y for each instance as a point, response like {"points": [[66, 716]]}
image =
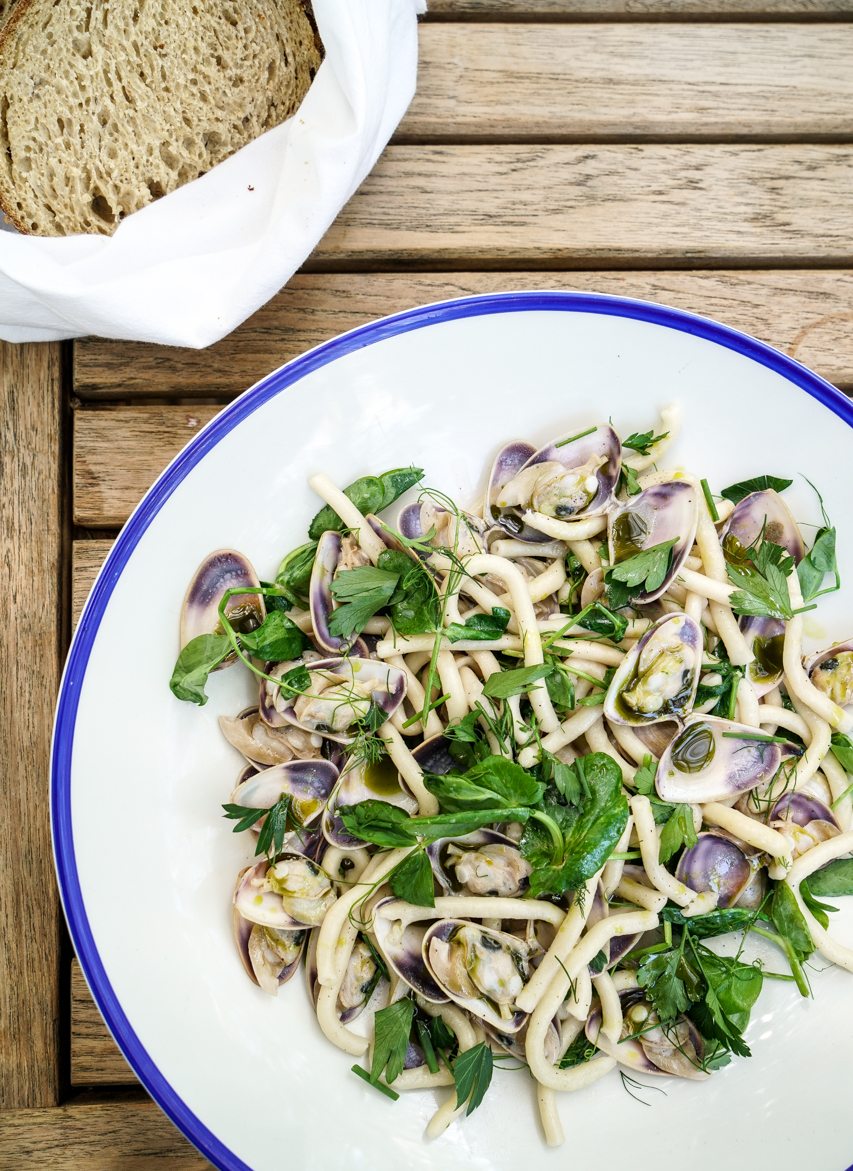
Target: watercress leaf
{"points": [[450, 825], [295, 681], [677, 832], [818, 562], [736, 492], [600, 620], [789, 922], [195, 662], [492, 783], [368, 494], [842, 750], [276, 639], [378, 822], [472, 1075], [361, 593], [504, 684], [644, 778], [643, 441], [391, 1029], [294, 573], [821, 911], [731, 989], [413, 606], [834, 879], [479, 627], [718, 922], [412, 880]]}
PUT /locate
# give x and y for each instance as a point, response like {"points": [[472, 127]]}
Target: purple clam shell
{"points": [[222, 570], [765, 513], [663, 512], [715, 863], [320, 600], [631, 1052], [758, 631], [409, 521], [405, 955], [443, 931], [479, 837], [801, 809], [242, 930], [306, 780], [508, 463], [434, 756], [387, 694], [842, 686], [688, 633]]}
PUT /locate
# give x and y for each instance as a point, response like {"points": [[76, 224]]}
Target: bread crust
{"points": [[18, 15]]}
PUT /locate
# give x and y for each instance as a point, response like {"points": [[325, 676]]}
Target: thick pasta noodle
{"points": [[510, 768]]}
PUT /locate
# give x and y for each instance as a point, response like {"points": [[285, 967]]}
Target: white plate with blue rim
{"points": [[146, 862]]}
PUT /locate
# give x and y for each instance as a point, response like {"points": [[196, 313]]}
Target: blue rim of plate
{"points": [[75, 668]]}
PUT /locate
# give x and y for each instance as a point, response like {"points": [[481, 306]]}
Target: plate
{"points": [[145, 861]]}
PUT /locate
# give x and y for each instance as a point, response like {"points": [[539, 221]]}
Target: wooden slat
{"points": [[108, 484], [114, 1136], [31, 545], [635, 9], [605, 206], [655, 81], [87, 557], [808, 314], [95, 1058]]}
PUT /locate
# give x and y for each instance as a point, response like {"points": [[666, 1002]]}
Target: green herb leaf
{"points": [[195, 662], [732, 988], [378, 822], [294, 573], [391, 1029], [678, 831], [736, 492], [472, 1073], [629, 480], [718, 922], [492, 783], [842, 750], [818, 562], [761, 581], [450, 825], [244, 815], [275, 598], [661, 975], [280, 818], [641, 573], [362, 592], [412, 880], [365, 1077], [644, 778], [414, 606], [479, 627], [834, 879], [579, 1052], [560, 686], [507, 683], [368, 494], [643, 441], [597, 618], [789, 922], [295, 681], [276, 639]]}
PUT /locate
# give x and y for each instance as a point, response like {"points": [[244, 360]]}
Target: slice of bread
{"points": [[105, 105]]}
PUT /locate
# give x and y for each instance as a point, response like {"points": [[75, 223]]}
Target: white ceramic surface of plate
{"points": [[147, 863]]}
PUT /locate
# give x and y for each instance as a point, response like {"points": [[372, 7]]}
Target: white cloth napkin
{"points": [[187, 269]]}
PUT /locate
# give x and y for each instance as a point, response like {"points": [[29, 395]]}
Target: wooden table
{"points": [[695, 152]]}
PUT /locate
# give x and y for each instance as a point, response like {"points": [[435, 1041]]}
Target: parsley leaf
{"points": [[643, 441], [761, 581], [644, 779], [368, 494], [392, 1026], [659, 976], [277, 639], [472, 1073], [597, 618], [412, 880], [479, 627], [644, 572], [629, 480], [279, 819], [504, 684], [413, 607], [677, 832], [361, 592], [198, 658], [736, 492]]}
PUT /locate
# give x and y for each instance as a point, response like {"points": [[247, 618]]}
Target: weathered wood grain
{"points": [[599, 206], [114, 1136], [96, 1060], [634, 9], [31, 558], [109, 483], [598, 82], [806, 313], [87, 557]]}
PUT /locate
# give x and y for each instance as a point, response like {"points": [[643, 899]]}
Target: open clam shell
{"points": [[308, 782], [262, 745], [801, 809], [289, 893], [224, 569], [365, 781], [677, 1051], [270, 956], [484, 862], [320, 600], [344, 692], [568, 479], [618, 945], [657, 679], [831, 671], [712, 759], [663, 512], [402, 947], [435, 756], [761, 515], [481, 970], [766, 639], [716, 863]]}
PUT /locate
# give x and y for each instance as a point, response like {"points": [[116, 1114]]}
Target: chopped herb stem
{"points": [[709, 500], [365, 1077], [572, 438]]}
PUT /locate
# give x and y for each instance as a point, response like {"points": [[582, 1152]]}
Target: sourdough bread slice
{"points": [[105, 105]]}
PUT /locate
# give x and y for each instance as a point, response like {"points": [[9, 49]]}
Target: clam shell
{"points": [[308, 782], [663, 512], [801, 809], [762, 513], [474, 842], [379, 781], [652, 668], [831, 671], [716, 863], [765, 638], [367, 679], [320, 600], [439, 936], [224, 569], [403, 952], [267, 908]]}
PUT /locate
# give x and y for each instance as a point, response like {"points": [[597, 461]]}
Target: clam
{"points": [[289, 893], [712, 759], [376, 780], [766, 638], [223, 570], [513, 1043], [800, 808], [274, 955], [335, 553], [480, 969], [618, 945], [363, 981], [568, 479], [308, 782], [436, 755], [717, 863], [402, 948], [831, 671], [484, 862], [263, 745], [663, 512], [345, 692], [645, 1046], [762, 515], [657, 679]]}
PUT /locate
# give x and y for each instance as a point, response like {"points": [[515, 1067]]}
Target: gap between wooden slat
{"points": [[636, 10], [600, 82], [808, 314]]}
